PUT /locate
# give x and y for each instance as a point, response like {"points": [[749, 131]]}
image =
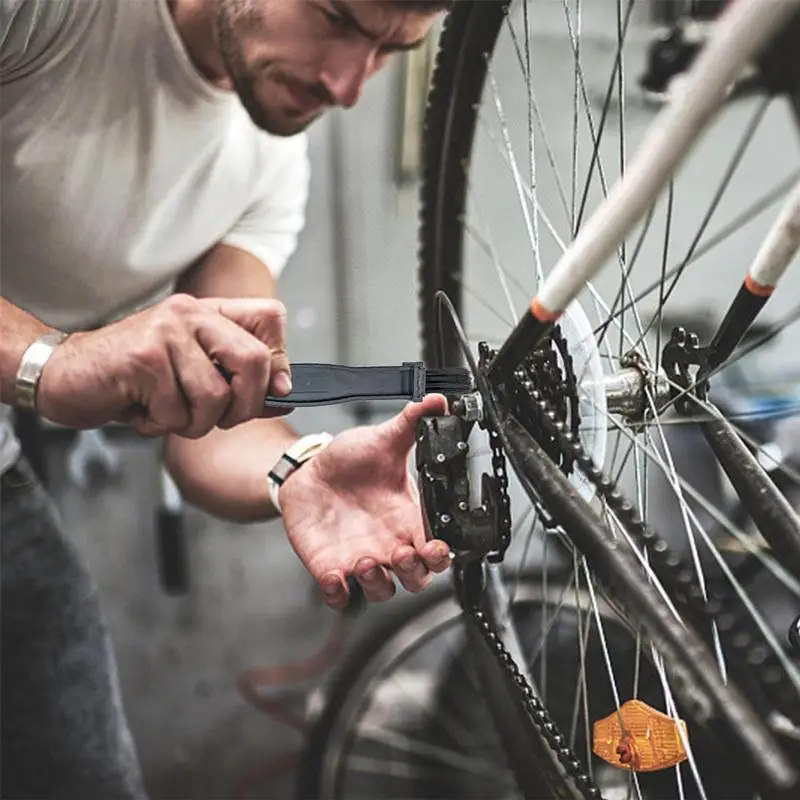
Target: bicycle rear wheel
{"points": [[504, 74]]}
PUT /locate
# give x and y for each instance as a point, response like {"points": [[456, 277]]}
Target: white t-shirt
{"points": [[121, 165]]}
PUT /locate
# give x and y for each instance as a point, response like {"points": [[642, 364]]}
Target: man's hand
{"points": [[156, 369], [354, 510]]}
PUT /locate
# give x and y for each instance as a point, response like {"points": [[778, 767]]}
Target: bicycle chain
{"points": [[536, 710], [533, 705], [500, 474]]}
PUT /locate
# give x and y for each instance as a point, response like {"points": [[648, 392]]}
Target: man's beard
{"points": [[244, 83]]}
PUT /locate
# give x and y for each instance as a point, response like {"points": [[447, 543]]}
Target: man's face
{"points": [[290, 59]]}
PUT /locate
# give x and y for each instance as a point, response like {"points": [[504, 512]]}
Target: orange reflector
{"points": [[639, 738]]}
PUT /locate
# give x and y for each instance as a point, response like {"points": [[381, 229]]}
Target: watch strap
{"points": [[292, 459]]}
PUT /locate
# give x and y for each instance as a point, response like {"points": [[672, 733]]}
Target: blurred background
{"points": [[351, 290]]}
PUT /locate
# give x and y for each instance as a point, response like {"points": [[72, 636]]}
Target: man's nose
{"points": [[345, 74]]}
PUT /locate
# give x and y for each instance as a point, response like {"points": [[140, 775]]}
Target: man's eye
{"points": [[337, 20]]}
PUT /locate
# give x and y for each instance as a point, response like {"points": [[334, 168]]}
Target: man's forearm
{"points": [[18, 330], [225, 472]]}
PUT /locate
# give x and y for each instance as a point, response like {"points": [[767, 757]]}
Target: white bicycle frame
{"points": [[739, 33]]}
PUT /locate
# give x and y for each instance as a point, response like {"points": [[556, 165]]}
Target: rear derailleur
{"points": [[472, 533]]}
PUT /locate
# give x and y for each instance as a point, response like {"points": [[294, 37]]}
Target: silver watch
{"points": [[31, 366]]}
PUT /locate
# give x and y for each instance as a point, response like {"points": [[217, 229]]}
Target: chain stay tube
{"points": [[775, 518], [769, 508]]}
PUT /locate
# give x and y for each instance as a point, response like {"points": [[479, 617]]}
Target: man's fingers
{"points": [[410, 569], [247, 363], [206, 393], [161, 405], [264, 318], [265, 321], [375, 580], [335, 593], [436, 555]]}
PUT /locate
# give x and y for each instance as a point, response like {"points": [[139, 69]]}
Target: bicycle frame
{"points": [[740, 32]]}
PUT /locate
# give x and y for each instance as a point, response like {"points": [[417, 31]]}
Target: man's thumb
{"points": [[401, 430]]}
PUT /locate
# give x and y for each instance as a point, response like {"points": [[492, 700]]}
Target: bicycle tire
{"points": [[466, 46], [315, 779], [468, 36]]}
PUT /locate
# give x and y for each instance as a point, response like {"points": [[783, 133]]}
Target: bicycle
{"points": [[685, 635]]}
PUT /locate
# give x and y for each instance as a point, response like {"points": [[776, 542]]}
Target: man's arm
{"points": [[225, 472]]}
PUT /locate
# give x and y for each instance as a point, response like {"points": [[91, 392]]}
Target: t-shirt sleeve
{"points": [[34, 32], [270, 226]]}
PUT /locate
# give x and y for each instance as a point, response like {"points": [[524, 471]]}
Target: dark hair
{"points": [[425, 5]]}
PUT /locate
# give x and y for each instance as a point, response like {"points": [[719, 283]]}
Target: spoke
{"points": [[664, 256], [685, 510], [480, 299], [550, 227], [582, 692], [533, 107], [640, 557], [620, 73], [406, 744], [529, 224], [713, 412], [673, 712], [525, 549], [642, 490], [565, 594], [767, 561], [498, 265], [736, 225], [526, 193], [545, 628], [632, 304], [624, 284], [790, 582], [606, 654], [595, 161], [532, 147], [578, 77], [741, 149]]}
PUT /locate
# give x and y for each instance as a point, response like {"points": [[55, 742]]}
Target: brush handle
{"points": [[329, 384]]}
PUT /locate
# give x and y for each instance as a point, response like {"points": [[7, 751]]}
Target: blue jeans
{"points": [[64, 732]]}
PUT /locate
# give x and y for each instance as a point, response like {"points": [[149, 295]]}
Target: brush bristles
{"points": [[448, 380]]}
